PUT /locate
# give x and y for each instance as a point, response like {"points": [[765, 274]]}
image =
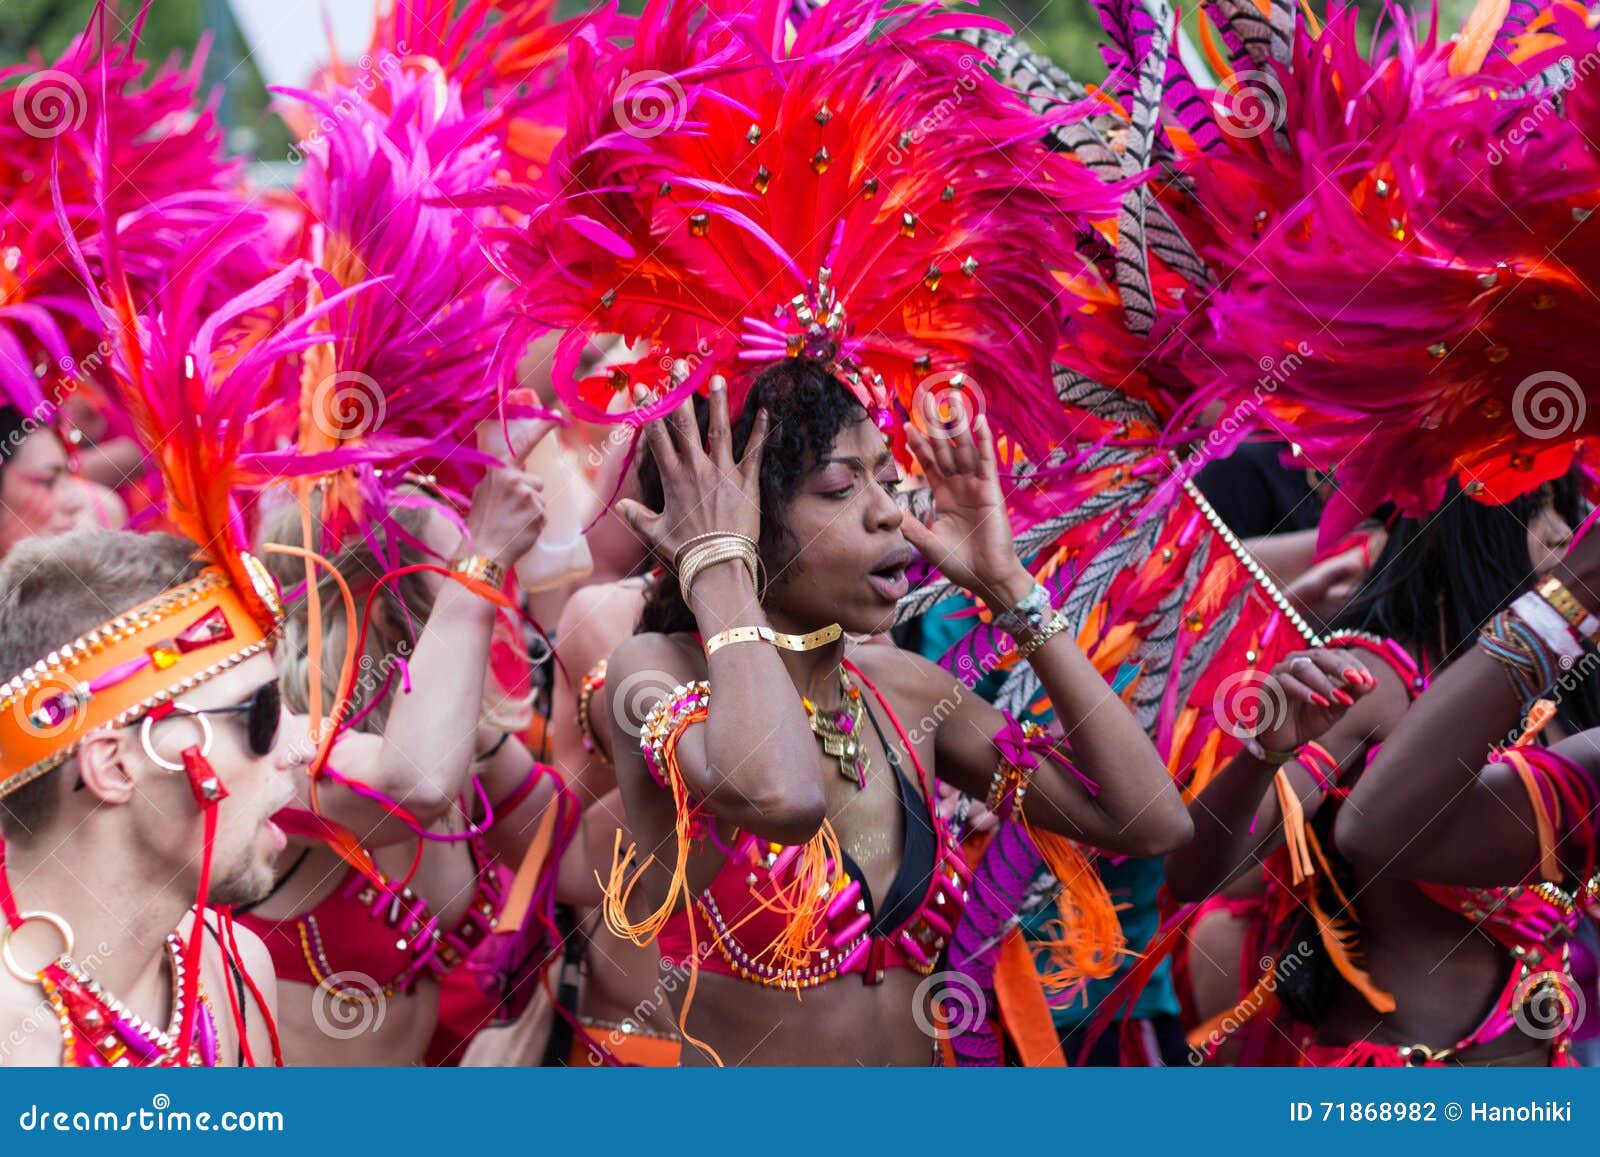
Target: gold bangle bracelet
{"points": [[807, 642], [1582, 621], [710, 555], [482, 568], [1027, 646], [710, 536], [726, 548]]}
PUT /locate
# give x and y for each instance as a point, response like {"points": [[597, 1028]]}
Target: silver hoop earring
{"points": [[150, 751]]}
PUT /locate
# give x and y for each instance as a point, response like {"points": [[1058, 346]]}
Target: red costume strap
{"points": [[231, 948], [1324, 768], [8, 902], [208, 792]]}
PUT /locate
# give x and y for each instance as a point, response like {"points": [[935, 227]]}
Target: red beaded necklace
{"points": [[97, 1030]]}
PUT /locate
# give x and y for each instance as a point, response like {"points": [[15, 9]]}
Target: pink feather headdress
{"points": [[163, 177], [735, 188], [413, 371], [1398, 235], [509, 56]]}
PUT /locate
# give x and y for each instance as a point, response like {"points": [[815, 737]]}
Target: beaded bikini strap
{"points": [[593, 679]]}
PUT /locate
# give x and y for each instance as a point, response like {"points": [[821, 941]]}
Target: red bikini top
{"points": [[741, 917], [1534, 923], [363, 941]]}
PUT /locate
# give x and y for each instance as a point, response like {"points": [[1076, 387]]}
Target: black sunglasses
{"points": [[262, 711]]}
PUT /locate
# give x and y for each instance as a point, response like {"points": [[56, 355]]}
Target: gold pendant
{"points": [[839, 740]]}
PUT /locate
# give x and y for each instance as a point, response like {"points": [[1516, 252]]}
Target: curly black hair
{"points": [[806, 408]]}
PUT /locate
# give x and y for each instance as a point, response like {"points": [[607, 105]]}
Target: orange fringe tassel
{"points": [[1258, 1000], [803, 902], [1294, 829], [1086, 943], [1339, 936]]}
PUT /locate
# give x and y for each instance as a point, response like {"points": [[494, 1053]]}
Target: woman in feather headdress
{"points": [[811, 220], [1308, 193], [163, 175], [1419, 205]]}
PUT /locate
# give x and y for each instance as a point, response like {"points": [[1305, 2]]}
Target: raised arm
{"points": [[1135, 809], [1434, 805], [754, 762], [1323, 695], [425, 754]]}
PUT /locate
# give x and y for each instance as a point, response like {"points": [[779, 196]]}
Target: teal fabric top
{"points": [[1131, 882]]}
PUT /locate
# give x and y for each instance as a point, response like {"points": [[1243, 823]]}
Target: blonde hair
{"points": [[400, 609]]}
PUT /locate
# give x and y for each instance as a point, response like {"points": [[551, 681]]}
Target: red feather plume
{"points": [[734, 189]]}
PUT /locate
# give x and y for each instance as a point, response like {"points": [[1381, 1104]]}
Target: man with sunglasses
{"points": [[113, 824]]}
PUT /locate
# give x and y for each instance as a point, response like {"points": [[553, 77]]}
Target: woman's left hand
{"points": [[970, 539]]}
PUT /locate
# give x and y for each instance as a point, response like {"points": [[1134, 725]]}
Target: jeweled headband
{"points": [[117, 673]]}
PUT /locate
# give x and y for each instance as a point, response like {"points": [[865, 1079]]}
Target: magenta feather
{"points": [[414, 370], [164, 175], [890, 102]]}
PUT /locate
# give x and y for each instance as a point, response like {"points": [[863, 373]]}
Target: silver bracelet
{"points": [[1029, 616]]}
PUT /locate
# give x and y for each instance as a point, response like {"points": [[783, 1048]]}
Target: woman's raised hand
{"points": [[508, 514], [1306, 694], [970, 539], [705, 490]]}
